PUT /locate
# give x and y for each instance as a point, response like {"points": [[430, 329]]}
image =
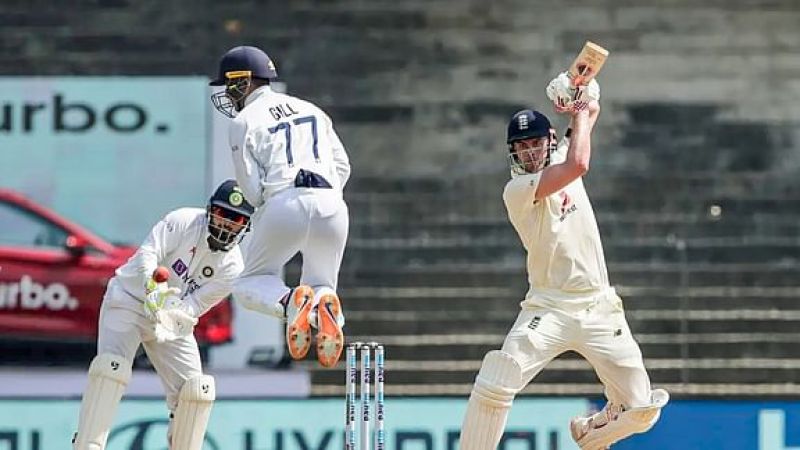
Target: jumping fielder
{"points": [[200, 249], [292, 166], [570, 304]]}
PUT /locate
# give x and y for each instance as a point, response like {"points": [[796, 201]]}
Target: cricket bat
{"points": [[588, 64]]}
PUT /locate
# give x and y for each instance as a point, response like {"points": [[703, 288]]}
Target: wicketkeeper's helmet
{"points": [[231, 216]]}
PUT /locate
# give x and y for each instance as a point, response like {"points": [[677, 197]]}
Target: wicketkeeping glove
{"points": [[174, 320], [155, 300]]}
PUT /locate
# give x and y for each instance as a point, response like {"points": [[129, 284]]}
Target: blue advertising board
{"points": [[301, 424], [111, 153], [411, 424], [722, 425]]}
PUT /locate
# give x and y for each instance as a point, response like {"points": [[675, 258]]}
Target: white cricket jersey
{"points": [[274, 136], [179, 242], [560, 235]]}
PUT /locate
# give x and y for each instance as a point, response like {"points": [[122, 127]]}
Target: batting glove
{"points": [[564, 95]]}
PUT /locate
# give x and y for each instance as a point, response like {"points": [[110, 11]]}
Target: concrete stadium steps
{"points": [[421, 367], [711, 345], [410, 252], [690, 321], [746, 336], [742, 275], [755, 371], [730, 154], [705, 184], [480, 299], [701, 224], [646, 191], [422, 300], [755, 182], [622, 274], [693, 287], [724, 390], [437, 276], [612, 226], [730, 205], [25, 19], [711, 298], [402, 208]]}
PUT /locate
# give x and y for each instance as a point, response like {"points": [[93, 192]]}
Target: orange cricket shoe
{"points": [[298, 328], [330, 339]]}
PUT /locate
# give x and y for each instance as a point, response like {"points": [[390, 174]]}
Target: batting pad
{"points": [[627, 423], [108, 377], [191, 416], [498, 381]]}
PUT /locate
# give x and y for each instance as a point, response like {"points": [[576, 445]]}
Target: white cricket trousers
{"points": [[311, 221], [599, 333], [121, 330]]}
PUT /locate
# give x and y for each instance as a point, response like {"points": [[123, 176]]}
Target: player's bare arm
{"points": [[555, 177]]}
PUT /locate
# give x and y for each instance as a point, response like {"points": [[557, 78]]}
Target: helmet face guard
{"points": [[226, 228], [531, 159], [231, 100]]}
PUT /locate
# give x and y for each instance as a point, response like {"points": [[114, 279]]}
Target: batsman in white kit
{"points": [[292, 166], [570, 304], [185, 266]]}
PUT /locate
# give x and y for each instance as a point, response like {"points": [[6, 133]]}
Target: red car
{"points": [[53, 274]]}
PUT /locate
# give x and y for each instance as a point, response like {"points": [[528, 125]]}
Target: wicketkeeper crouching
{"points": [[199, 247]]}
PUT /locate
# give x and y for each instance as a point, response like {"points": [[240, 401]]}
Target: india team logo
{"points": [[236, 198]]}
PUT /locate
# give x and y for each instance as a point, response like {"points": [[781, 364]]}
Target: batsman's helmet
{"points": [[528, 124], [231, 216]]}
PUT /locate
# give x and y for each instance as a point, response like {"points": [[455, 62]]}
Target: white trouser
{"points": [[311, 221], [122, 329], [599, 333]]}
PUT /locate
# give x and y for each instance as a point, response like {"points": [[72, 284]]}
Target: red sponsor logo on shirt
{"points": [[564, 201], [566, 205]]}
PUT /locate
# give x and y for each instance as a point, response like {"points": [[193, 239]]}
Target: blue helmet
{"points": [[527, 124], [228, 216], [244, 61], [237, 70], [229, 196]]}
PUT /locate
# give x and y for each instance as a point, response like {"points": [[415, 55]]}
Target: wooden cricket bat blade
{"points": [[588, 63]]}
